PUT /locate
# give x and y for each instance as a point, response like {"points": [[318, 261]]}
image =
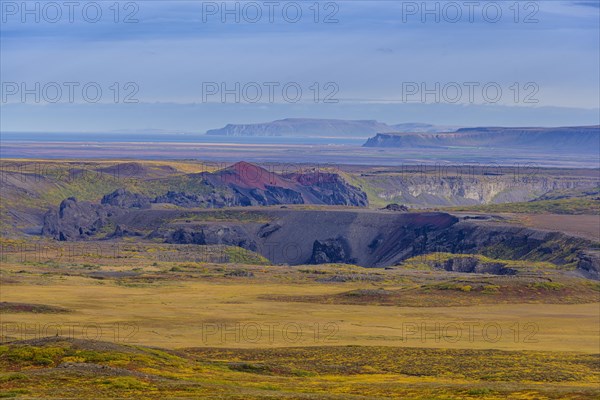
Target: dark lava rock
{"points": [[12, 307], [474, 265], [330, 188], [112, 274], [331, 251], [396, 207], [589, 263], [234, 197], [187, 236], [121, 232], [267, 229], [507, 242], [341, 278], [271, 195], [274, 195], [375, 243], [212, 235], [189, 200], [76, 220], [240, 273], [124, 199]]}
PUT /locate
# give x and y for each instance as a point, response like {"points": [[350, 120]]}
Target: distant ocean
{"points": [[115, 137], [280, 149]]}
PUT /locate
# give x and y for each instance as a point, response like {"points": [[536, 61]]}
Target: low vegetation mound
{"points": [[59, 367], [11, 307]]}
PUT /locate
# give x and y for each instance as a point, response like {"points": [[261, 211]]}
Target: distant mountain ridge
{"points": [[322, 127], [577, 138]]}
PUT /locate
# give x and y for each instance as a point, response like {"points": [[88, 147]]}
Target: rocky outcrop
{"points": [[124, 199], [236, 197], [395, 207], [267, 230], [76, 220], [329, 188], [331, 251], [121, 232], [589, 263], [212, 235], [185, 236], [190, 200], [507, 242], [270, 195], [474, 265]]}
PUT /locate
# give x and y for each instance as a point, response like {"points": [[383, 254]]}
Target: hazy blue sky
{"points": [[368, 57]]}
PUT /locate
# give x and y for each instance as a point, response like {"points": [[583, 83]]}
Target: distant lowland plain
{"points": [[333, 141]]}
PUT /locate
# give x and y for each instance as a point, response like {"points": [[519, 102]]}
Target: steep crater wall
{"points": [[464, 189], [364, 237]]}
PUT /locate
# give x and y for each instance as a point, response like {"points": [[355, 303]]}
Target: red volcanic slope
{"points": [[251, 176]]}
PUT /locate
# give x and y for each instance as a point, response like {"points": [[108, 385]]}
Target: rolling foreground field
{"points": [[129, 312], [87, 329]]}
